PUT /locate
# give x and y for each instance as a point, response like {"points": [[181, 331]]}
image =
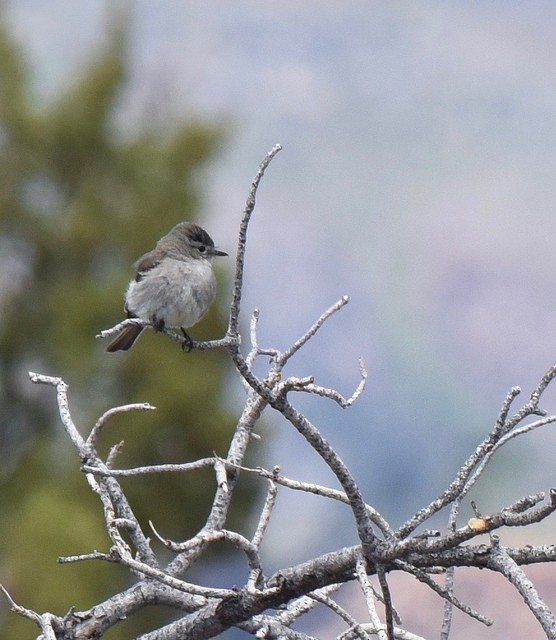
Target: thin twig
{"points": [[44, 621], [296, 346], [105, 417], [268, 627], [355, 627], [171, 581], [201, 345], [302, 605], [110, 518], [325, 492], [202, 463], [423, 577], [399, 634], [387, 599], [108, 489], [264, 518], [94, 555], [63, 408], [369, 595], [362, 517], [242, 241], [128, 322], [501, 561], [307, 385], [501, 428]]}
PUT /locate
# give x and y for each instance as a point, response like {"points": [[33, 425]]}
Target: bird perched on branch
{"points": [[174, 285]]}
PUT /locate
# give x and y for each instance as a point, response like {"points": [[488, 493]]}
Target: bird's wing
{"points": [[147, 262]]}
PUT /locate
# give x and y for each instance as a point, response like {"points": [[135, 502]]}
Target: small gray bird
{"points": [[174, 285]]}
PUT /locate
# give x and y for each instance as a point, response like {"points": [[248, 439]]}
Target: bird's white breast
{"points": [[176, 292]]}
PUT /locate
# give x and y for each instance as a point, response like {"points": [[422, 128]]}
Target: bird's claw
{"points": [[187, 341]]}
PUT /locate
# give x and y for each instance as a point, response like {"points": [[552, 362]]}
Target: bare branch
{"points": [[242, 242], [219, 510], [399, 634], [301, 606], [204, 345], [459, 485], [355, 627], [255, 349], [265, 626], [176, 337], [205, 538], [388, 605], [44, 621], [94, 555], [501, 561], [294, 590], [444, 593], [322, 447], [202, 463], [370, 596], [105, 417], [63, 408], [307, 385], [296, 346], [108, 333], [264, 518], [171, 581], [325, 492]]}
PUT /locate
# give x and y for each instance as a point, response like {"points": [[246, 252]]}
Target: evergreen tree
{"points": [[79, 202]]}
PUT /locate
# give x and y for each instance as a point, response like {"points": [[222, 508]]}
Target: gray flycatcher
{"points": [[174, 285]]}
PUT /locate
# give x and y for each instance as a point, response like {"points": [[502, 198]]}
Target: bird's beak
{"points": [[217, 252]]}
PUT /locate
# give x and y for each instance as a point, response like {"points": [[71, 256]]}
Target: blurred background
{"points": [[417, 176]]}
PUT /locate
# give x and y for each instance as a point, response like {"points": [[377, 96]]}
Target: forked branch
{"points": [[267, 603]]}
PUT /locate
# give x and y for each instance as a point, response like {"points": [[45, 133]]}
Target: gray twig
{"points": [[501, 561]]}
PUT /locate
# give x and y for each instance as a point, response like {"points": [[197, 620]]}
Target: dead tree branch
{"points": [[268, 603]]}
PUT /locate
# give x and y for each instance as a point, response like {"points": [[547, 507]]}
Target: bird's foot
{"points": [[187, 341], [158, 324]]}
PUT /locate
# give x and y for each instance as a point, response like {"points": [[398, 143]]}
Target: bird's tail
{"points": [[125, 339]]}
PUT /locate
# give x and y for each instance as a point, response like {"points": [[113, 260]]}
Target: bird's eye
{"points": [[202, 249]]}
